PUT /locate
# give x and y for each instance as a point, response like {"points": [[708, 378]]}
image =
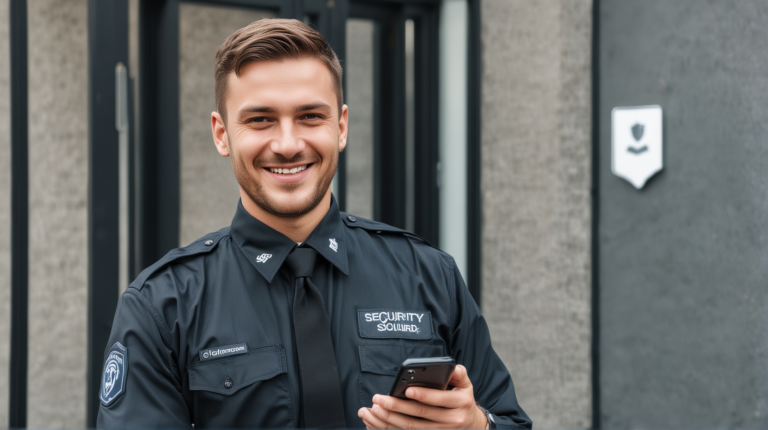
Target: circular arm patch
{"points": [[113, 377]]}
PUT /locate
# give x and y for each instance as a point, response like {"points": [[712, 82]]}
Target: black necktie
{"points": [[320, 386]]}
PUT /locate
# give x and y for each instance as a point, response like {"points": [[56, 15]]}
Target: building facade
{"points": [[612, 307]]}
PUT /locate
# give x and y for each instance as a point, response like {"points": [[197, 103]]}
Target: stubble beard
{"points": [[256, 193]]}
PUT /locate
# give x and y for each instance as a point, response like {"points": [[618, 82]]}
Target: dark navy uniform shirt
{"points": [[204, 336]]}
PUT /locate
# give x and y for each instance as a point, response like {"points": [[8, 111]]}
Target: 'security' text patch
{"points": [[223, 351], [388, 324]]}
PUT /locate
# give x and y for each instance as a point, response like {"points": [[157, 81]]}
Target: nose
{"points": [[288, 143]]}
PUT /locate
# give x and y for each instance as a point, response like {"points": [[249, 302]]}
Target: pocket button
{"points": [[228, 383]]}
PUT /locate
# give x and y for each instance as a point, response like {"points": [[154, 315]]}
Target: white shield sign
{"points": [[636, 136]]}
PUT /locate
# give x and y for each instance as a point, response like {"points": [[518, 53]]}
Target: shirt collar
{"points": [[267, 249]]}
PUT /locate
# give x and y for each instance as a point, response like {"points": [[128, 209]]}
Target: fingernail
{"points": [[376, 398]]}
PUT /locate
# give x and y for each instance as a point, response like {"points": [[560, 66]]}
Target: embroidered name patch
{"points": [[388, 324], [113, 377], [223, 351]]}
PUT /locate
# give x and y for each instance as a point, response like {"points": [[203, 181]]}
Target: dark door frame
{"points": [[155, 198], [108, 47], [157, 153], [17, 399]]}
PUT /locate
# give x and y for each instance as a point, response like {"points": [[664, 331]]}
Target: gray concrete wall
{"points": [[684, 310], [5, 210], [359, 97], [536, 150], [58, 223], [209, 191]]}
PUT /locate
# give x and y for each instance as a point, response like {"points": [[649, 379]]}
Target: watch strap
{"points": [[490, 422]]}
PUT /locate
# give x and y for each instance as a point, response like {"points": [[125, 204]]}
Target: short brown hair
{"points": [[272, 39]]}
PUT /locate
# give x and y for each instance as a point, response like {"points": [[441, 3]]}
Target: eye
{"points": [[258, 119], [312, 116]]}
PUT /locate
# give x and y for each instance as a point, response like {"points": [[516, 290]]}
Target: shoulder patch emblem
{"points": [[113, 377]]}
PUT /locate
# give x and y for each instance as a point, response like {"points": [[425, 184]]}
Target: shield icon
{"points": [[636, 143], [111, 373]]}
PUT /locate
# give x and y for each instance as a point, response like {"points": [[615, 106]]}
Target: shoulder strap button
{"points": [[351, 218], [208, 242]]}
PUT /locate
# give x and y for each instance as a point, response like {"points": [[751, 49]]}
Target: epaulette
{"points": [[353, 221], [204, 245]]}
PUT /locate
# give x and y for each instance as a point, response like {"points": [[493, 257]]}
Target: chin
{"points": [[290, 205]]}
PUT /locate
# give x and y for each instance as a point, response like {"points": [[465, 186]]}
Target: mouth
{"points": [[288, 171]]}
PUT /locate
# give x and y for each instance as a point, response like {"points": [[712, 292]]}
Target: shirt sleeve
{"points": [[151, 395], [471, 346]]}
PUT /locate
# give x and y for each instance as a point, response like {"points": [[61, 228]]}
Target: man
{"points": [[297, 315]]}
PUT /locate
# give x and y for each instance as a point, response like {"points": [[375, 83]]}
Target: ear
{"points": [[343, 122], [219, 131]]}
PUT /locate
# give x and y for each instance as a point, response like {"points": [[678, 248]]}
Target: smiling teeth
{"points": [[288, 171]]}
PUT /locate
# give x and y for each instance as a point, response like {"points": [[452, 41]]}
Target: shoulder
{"points": [[371, 233], [180, 259], [359, 225]]}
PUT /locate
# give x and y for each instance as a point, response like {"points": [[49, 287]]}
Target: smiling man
{"points": [[297, 315]]}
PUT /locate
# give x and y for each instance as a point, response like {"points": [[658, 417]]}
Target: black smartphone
{"points": [[432, 372]]}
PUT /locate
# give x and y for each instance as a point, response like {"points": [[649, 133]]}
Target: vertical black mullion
{"points": [[474, 154], [107, 45], [379, 59], [426, 204], [159, 143], [392, 156], [595, 191], [17, 414]]}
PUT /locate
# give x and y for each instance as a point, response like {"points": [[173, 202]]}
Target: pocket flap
{"points": [[240, 370], [386, 359]]}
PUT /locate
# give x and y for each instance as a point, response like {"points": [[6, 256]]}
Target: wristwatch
{"points": [[490, 423]]}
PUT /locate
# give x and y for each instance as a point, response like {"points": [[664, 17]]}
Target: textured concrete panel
{"points": [[684, 261], [58, 154], [209, 191], [359, 97], [5, 210], [536, 177]]}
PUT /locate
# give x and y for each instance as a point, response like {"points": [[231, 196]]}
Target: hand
{"points": [[428, 408]]}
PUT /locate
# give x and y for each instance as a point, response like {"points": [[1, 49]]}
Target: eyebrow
{"points": [[312, 106], [268, 109], [255, 109]]}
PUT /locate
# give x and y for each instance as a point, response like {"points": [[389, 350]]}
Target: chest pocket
{"points": [[379, 365], [226, 389]]}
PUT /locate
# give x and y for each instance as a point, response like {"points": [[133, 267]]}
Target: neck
{"points": [[298, 228]]}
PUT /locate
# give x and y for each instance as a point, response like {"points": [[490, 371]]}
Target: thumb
{"points": [[459, 378]]}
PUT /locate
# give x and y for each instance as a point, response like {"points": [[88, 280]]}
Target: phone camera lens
{"points": [[411, 372]]}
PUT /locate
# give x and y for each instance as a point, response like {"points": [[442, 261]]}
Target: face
{"points": [[283, 134]]}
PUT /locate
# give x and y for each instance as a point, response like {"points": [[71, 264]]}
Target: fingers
{"points": [[370, 420], [408, 407], [427, 408], [457, 398], [397, 420]]}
